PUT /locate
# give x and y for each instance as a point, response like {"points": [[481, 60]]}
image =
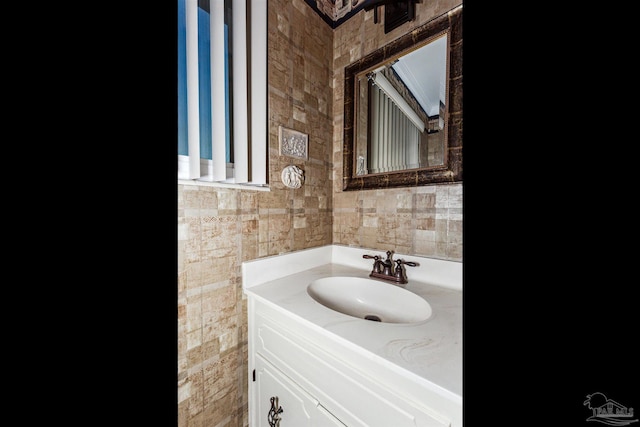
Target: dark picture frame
{"points": [[397, 13]]}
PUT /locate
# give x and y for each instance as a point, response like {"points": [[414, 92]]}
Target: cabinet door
{"points": [[326, 419], [293, 406]]}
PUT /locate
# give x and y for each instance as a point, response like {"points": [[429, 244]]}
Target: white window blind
{"points": [[249, 87], [395, 138]]}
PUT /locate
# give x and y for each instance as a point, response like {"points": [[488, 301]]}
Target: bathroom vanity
{"points": [[311, 365]]}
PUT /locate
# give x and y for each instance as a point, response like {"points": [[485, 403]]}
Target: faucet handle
{"points": [[399, 272], [400, 262], [376, 262]]}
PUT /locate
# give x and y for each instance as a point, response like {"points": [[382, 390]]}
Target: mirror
{"points": [[403, 110]]}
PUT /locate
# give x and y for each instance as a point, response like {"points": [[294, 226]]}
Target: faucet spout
{"points": [[388, 264]]}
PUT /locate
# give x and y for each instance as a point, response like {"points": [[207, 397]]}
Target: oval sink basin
{"points": [[369, 299]]}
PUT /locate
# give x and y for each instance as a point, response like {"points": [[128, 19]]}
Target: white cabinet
{"points": [[280, 402], [321, 381]]}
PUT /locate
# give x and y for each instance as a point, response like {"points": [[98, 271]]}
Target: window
{"points": [[222, 117]]}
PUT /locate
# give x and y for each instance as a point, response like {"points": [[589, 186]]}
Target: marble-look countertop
{"points": [[431, 351]]}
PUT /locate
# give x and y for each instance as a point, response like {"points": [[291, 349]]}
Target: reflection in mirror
{"points": [[403, 109]]}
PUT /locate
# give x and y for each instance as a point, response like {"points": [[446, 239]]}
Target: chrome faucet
{"points": [[387, 271]]}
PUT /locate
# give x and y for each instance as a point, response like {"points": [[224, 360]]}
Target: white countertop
{"points": [[429, 351]]}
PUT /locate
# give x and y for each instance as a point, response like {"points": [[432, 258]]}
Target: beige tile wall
{"points": [[425, 221], [219, 228]]}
